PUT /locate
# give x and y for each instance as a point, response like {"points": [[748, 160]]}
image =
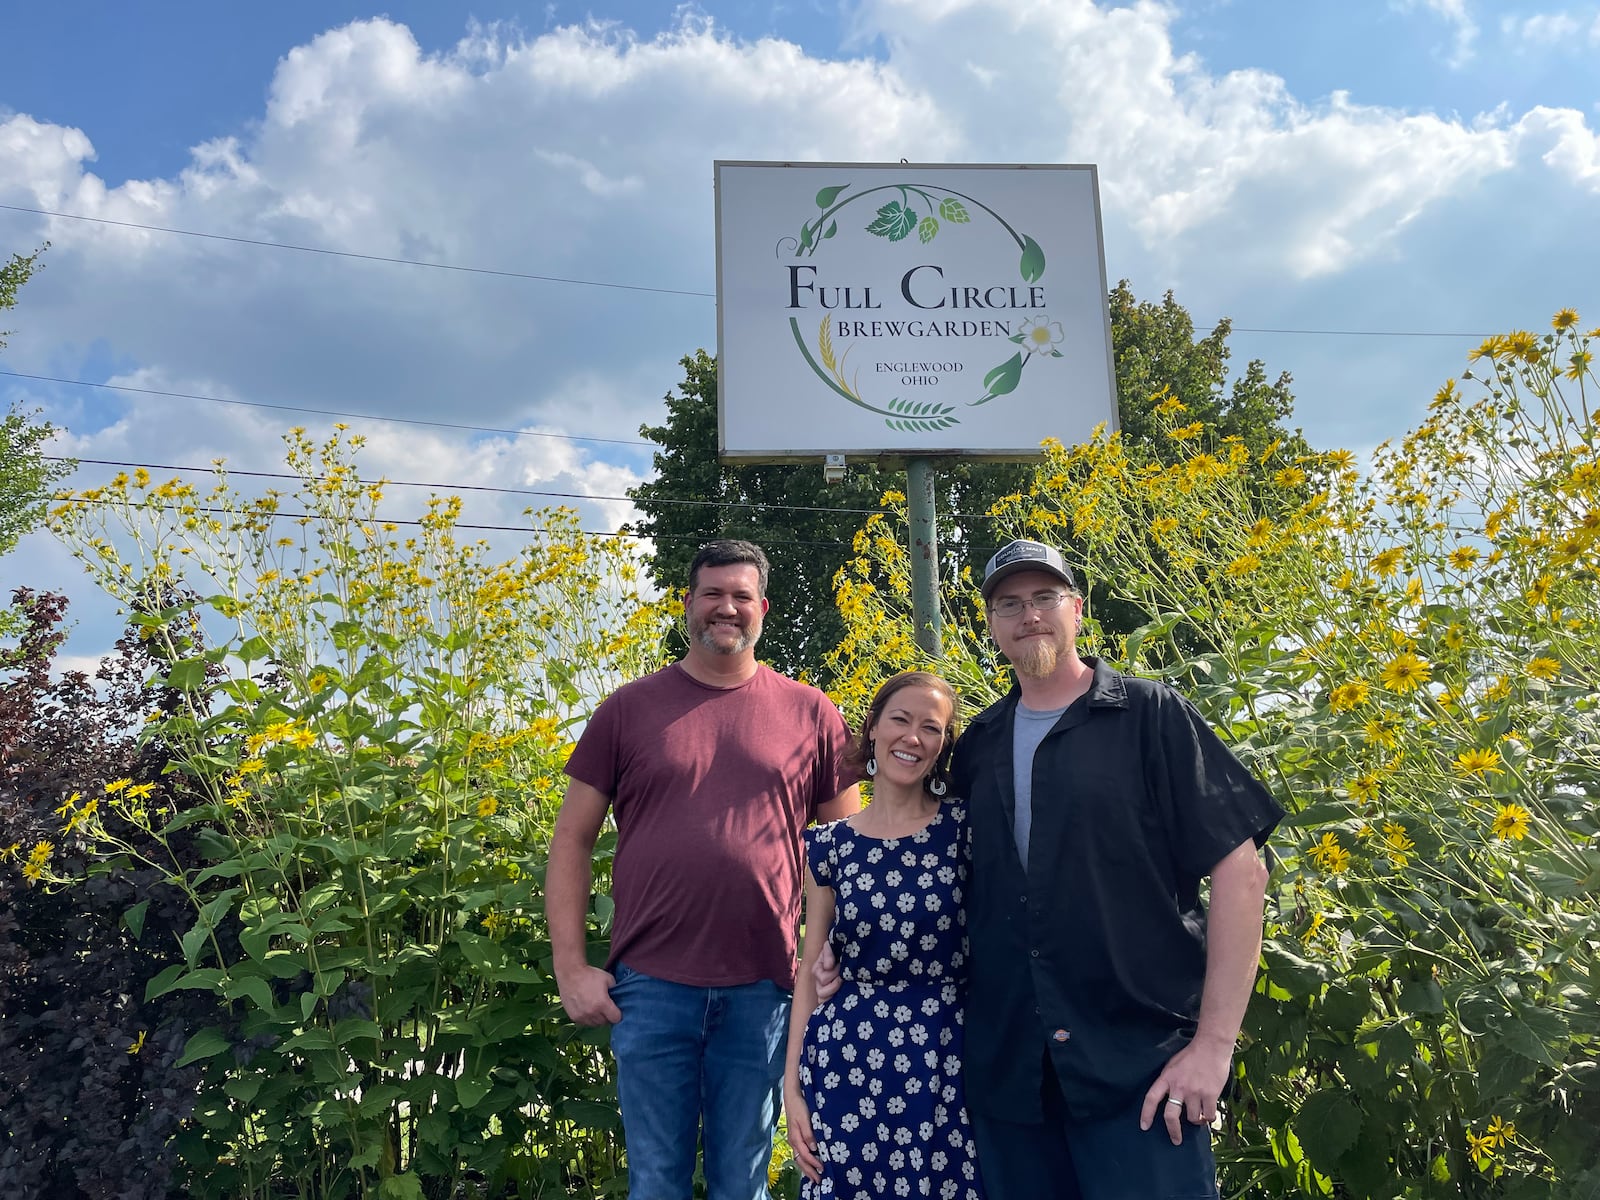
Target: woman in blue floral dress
{"points": [[873, 1086]]}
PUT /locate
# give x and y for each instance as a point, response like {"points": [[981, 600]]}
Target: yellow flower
{"points": [[1480, 1145], [140, 791], [318, 681], [1565, 319], [1406, 673], [782, 1153], [1455, 637], [302, 739], [1478, 762], [138, 1043], [1364, 787], [1187, 432], [1329, 855], [1317, 922], [37, 858], [1522, 344], [1539, 590], [1462, 558], [1498, 690], [251, 765], [1289, 477], [1493, 346], [116, 785], [1243, 565], [82, 816], [1504, 1131], [1544, 668], [1260, 533], [1348, 695], [1381, 731], [1387, 563], [1162, 526], [1398, 842], [1511, 823], [487, 806]]}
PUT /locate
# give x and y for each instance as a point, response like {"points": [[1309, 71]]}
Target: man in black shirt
{"points": [[1104, 999]]}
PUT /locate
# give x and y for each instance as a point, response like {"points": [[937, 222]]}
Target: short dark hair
{"points": [[860, 747], [728, 552]]}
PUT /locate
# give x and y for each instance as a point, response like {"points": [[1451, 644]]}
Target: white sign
{"points": [[895, 309]]}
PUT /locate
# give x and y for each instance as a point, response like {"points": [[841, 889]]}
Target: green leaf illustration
{"points": [[1032, 260], [833, 228], [805, 236], [954, 211], [894, 221], [927, 228], [1005, 377], [829, 194]]}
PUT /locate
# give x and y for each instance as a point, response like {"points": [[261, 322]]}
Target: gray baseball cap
{"points": [[1023, 555]]}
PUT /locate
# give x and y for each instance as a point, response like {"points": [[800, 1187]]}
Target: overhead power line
{"points": [[326, 412], [476, 487], [598, 283], [479, 528], [522, 492], [381, 258]]}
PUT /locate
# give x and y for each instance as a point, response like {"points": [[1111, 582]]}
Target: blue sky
{"points": [[1412, 167]]}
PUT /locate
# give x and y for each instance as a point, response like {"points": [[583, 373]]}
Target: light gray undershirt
{"points": [[1028, 730]]}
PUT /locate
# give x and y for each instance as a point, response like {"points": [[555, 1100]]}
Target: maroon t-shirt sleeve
{"points": [[835, 776], [595, 759]]}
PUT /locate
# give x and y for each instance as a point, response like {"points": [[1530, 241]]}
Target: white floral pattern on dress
{"points": [[881, 1063]]}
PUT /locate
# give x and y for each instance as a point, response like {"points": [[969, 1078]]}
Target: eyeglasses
{"points": [[1010, 606]]}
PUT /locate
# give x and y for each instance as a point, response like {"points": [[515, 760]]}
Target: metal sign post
{"points": [[925, 616]]}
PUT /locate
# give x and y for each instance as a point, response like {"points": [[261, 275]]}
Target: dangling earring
{"points": [[937, 787], [872, 766]]}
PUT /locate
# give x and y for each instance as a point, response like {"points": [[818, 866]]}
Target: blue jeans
{"points": [[697, 1062]]}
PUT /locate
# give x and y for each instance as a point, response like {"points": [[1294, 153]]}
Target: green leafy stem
{"points": [[897, 219], [908, 415]]}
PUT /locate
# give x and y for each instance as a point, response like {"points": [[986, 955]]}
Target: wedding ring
{"points": [[1174, 1100]]}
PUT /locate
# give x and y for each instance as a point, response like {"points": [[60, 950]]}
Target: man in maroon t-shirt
{"points": [[713, 766]]}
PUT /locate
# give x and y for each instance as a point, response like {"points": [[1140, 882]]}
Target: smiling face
{"points": [[1036, 641], [909, 735], [725, 609]]}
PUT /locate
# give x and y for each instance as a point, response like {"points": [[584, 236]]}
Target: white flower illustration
{"points": [[1041, 335]]}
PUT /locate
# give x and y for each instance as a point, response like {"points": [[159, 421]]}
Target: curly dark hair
{"points": [[860, 748]]}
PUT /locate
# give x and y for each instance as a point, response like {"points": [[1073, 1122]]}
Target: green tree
{"points": [[26, 475], [807, 525]]}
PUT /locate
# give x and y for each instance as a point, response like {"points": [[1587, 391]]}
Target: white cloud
{"points": [[585, 152], [1199, 163], [1575, 148], [1561, 30], [1454, 13], [1540, 29]]}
